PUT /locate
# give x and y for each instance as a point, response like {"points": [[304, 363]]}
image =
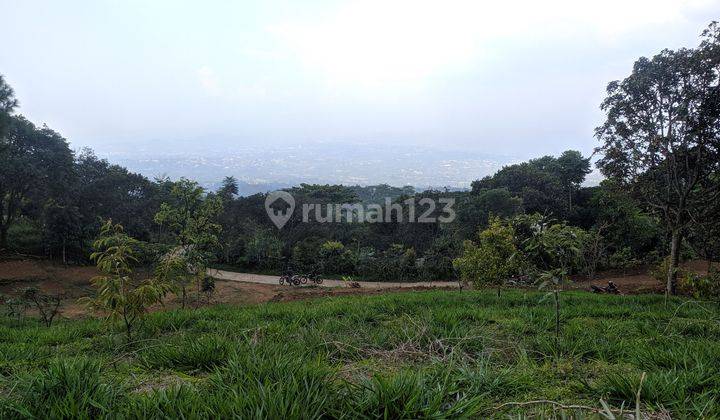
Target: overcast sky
{"points": [[514, 77]]}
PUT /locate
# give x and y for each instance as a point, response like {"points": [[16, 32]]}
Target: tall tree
{"points": [[537, 182], [34, 162], [8, 103], [106, 191], [572, 169], [229, 188], [661, 137]]}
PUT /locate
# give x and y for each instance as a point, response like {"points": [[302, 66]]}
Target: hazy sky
{"points": [[515, 77]]}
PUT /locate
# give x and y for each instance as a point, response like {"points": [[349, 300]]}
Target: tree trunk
{"points": [[3, 237], [670, 287]]}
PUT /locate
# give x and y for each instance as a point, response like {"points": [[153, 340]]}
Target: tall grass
{"points": [[437, 354]]}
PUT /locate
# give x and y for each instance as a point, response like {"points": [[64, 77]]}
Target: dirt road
{"points": [[263, 279]]}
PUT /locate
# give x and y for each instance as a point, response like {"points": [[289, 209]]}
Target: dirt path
{"points": [[273, 280]]}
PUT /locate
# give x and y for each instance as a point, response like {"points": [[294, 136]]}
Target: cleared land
{"points": [[245, 288]]}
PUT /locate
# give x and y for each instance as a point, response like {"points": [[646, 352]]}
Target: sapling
{"points": [[48, 305], [119, 294], [554, 279]]}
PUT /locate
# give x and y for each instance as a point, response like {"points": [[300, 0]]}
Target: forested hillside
{"points": [[658, 150]]}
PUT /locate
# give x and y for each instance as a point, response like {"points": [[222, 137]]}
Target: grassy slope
{"points": [[417, 354]]}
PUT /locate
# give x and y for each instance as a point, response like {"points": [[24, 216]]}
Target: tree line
{"points": [[659, 152]]}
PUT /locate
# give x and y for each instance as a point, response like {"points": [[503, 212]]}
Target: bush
{"points": [[47, 304], [397, 263], [660, 271], [492, 260], [263, 250], [701, 286], [336, 259], [623, 259]]}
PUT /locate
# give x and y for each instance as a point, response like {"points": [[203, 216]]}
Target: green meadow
{"points": [[435, 354]]}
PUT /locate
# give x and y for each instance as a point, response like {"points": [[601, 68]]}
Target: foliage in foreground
{"points": [[119, 294], [407, 355]]}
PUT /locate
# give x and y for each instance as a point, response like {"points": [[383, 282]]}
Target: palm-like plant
{"points": [[119, 295]]}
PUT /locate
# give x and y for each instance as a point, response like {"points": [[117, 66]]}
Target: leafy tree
{"points": [[263, 250], [229, 188], [336, 259], [176, 269], [119, 295], [34, 163], [106, 191], [541, 183], [623, 222], [595, 250], [623, 259], [62, 225], [190, 218], [437, 261], [572, 169], [492, 260], [306, 255], [8, 103], [661, 136], [398, 263], [559, 247], [475, 209], [236, 224], [704, 236]]}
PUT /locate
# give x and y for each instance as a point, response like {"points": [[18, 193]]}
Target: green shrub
{"points": [[492, 260], [660, 271], [701, 286]]}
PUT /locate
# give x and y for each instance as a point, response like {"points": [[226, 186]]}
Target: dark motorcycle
{"points": [[315, 278]]}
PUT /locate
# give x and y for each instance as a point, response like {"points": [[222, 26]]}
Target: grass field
{"points": [[412, 355]]}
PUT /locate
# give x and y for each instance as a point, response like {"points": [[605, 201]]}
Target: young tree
{"points": [[47, 305], [492, 260], [190, 218], [662, 135], [560, 247], [595, 249], [119, 295]]}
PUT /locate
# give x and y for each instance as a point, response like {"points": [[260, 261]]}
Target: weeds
{"points": [[420, 354]]}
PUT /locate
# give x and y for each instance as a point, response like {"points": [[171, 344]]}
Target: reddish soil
{"points": [[635, 281], [74, 282]]}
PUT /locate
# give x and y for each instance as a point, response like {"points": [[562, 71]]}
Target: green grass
{"points": [[436, 354]]}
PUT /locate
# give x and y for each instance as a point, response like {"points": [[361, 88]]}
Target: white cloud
{"points": [[376, 42], [209, 81]]}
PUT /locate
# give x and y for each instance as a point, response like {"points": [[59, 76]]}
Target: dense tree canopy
{"points": [[662, 135]]}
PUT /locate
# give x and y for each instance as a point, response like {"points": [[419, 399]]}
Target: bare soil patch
{"points": [[242, 289]]}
